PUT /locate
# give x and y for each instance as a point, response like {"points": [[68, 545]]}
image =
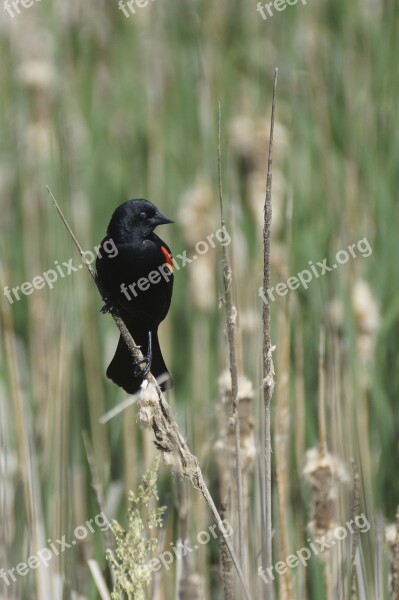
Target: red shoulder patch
{"points": [[167, 255]]}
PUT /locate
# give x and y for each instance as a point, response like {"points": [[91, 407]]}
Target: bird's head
{"points": [[135, 216]]}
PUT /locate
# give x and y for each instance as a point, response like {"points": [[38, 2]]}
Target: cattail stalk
{"points": [[268, 369], [231, 317]]}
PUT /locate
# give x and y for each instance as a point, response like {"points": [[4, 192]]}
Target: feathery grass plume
{"points": [[335, 315], [192, 587], [225, 444], [134, 546], [392, 539], [38, 76], [324, 472], [367, 319], [198, 217], [366, 312], [249, 139]]}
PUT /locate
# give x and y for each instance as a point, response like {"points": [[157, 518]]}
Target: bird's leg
{"points": [[140, 371]]}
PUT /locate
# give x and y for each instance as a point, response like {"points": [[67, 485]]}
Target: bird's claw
{"points": [[108, 306], [142, 371]]}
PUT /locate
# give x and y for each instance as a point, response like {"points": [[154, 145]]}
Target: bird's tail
{"points": [[121, 368]]}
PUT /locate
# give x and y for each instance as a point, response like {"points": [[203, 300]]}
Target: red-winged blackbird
{"points": [[137, 282]]}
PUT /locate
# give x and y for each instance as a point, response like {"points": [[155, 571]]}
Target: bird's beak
{"points": [[160, 219]]}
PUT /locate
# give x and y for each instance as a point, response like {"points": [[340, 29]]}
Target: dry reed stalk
{"points": [[322, 395], [59, 435], [39, 326], [392, 537], [97, 489], [26, 451], [324, 472], [328, 581], [190, 584], [353, 426], [300, 424], [341, 430], [155, 413], [99, 579], [355, 536], [181, 507], [227, 565], [225, 471], [225, 444], [95, 389], [8, 469], [36, 78], [282, 433], [268, 370], [300, 406], [231, 318], [366, 320], [130, 454]]}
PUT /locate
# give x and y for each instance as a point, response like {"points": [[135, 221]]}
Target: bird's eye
{"points": [[143, 215]]}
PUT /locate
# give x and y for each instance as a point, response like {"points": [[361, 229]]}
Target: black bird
{"points": [[137, 282]]}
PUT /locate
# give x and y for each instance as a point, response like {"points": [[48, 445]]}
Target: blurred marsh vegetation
{"points": [[104, 108]]}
